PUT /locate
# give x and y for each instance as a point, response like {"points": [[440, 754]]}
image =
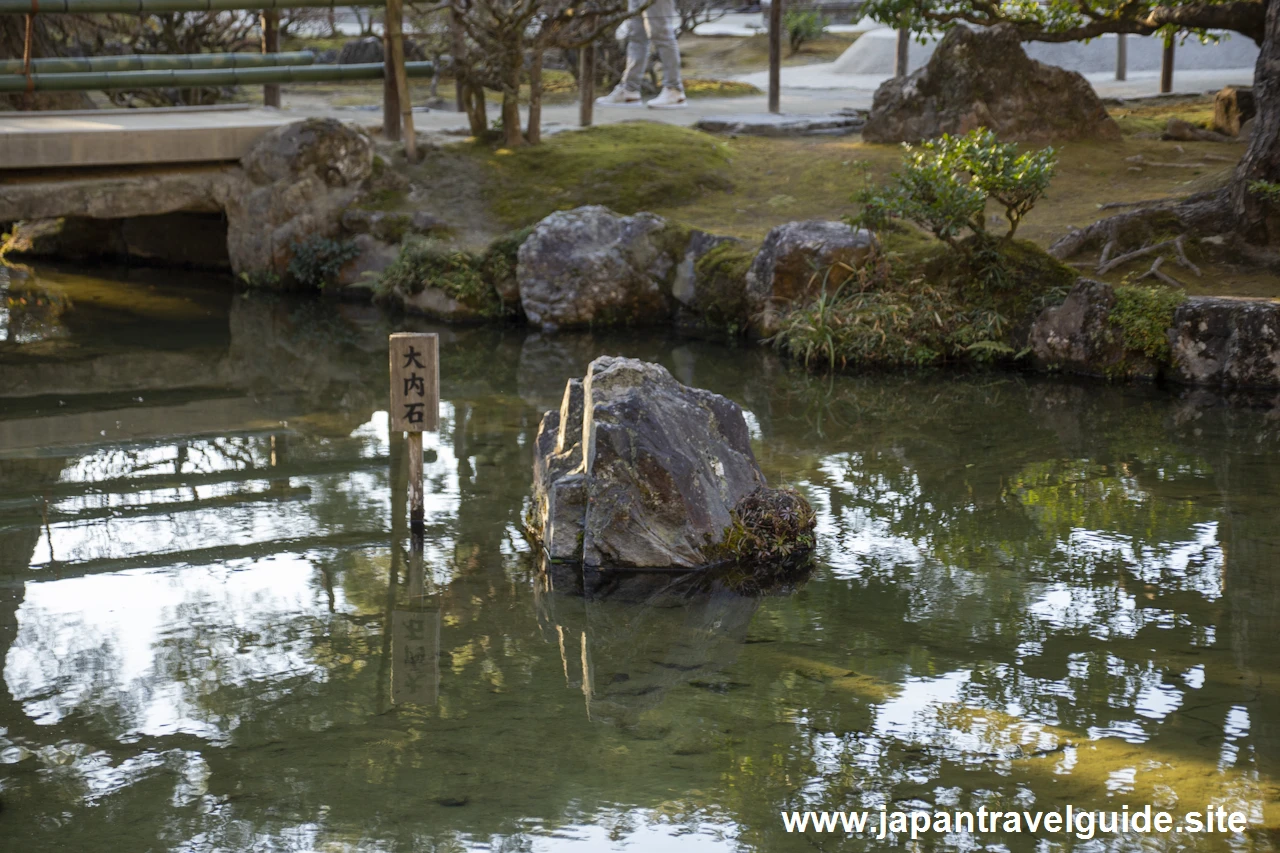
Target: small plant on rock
{"points": [[317, 260]]}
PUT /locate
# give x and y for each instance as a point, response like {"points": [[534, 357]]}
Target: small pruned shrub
{"points": [[317, 260], [945, 184], [803, 26]]}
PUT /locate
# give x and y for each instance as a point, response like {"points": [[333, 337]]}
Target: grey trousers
{"points": [[657, 25]]}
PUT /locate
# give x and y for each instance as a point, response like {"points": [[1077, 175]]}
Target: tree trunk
{"points": [[1255, 217], [513, 134], [534, 134], [473, 103]]}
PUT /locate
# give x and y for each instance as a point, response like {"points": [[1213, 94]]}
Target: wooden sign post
{"points": [[415, 405]]}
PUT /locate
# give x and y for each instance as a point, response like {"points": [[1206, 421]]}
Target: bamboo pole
{"points": [[775, 56], [158, 62], [1122, 57], [143, 7], [184, 78], [271, 44], [1166, 67]]}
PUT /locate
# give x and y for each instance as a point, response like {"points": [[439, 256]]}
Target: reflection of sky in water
{"points": [[58, 665], [985, 661]]}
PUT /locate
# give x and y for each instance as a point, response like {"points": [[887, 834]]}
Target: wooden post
{"points": [[393, 60], [390, 95], [415, 405], [586, 85], [775, 56], [270, 21], [1122, 57], [901, 67], [1166, 67]]}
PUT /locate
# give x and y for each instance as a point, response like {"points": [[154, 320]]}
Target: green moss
{"points": [[722, 287], [627, 167], [1143, 317], [383, 199], [427, 263], [498, 267]]}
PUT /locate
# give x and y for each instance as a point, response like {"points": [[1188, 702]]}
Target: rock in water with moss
{"points": [[636, 471]]}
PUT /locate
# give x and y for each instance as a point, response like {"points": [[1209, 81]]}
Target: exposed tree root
{"points": [[1156, 272], [1103, 269], [1201, 214]]}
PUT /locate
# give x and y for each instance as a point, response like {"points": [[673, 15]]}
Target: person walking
{"points": [[656, 26]]}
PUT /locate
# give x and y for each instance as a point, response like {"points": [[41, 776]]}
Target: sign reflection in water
{"points": [[1031, 592]]}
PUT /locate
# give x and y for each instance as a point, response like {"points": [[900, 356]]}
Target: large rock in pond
{"points": [[983, 78], [591, 267], [1226, 342], [636, 471], [297, 181], [795, 263], [1079, 337]]}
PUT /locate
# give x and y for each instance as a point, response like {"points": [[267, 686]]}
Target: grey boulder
{"points": [[1230, 343], [1078, 336], [591, 267], [298, 179], [983, 78], [795, 263]]}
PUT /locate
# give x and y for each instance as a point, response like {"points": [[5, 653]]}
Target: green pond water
{"points": [[1030, 593]]}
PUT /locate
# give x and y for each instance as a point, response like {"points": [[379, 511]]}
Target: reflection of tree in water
{"points": [[1012, 568]]}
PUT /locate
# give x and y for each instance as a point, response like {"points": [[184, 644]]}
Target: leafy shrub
{"points": [[803, 26], [317, 260], [945, 184]]}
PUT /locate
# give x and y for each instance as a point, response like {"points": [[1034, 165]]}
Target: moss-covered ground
{"points": [[744, 186]]}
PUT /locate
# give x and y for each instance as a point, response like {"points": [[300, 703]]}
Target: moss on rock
{"points": [[425, 263], [1143, 316], [721, 287]]}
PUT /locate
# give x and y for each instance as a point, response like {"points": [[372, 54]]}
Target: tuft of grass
{"points": [[629, 167]]}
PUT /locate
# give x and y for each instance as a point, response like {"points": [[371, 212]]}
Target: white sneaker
{"points": [[620, 97], [670, 99]]}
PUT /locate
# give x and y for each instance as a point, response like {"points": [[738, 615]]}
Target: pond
{"points": [[1030, 593]]}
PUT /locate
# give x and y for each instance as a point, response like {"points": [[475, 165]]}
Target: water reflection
{"points": [[215, 633]]}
